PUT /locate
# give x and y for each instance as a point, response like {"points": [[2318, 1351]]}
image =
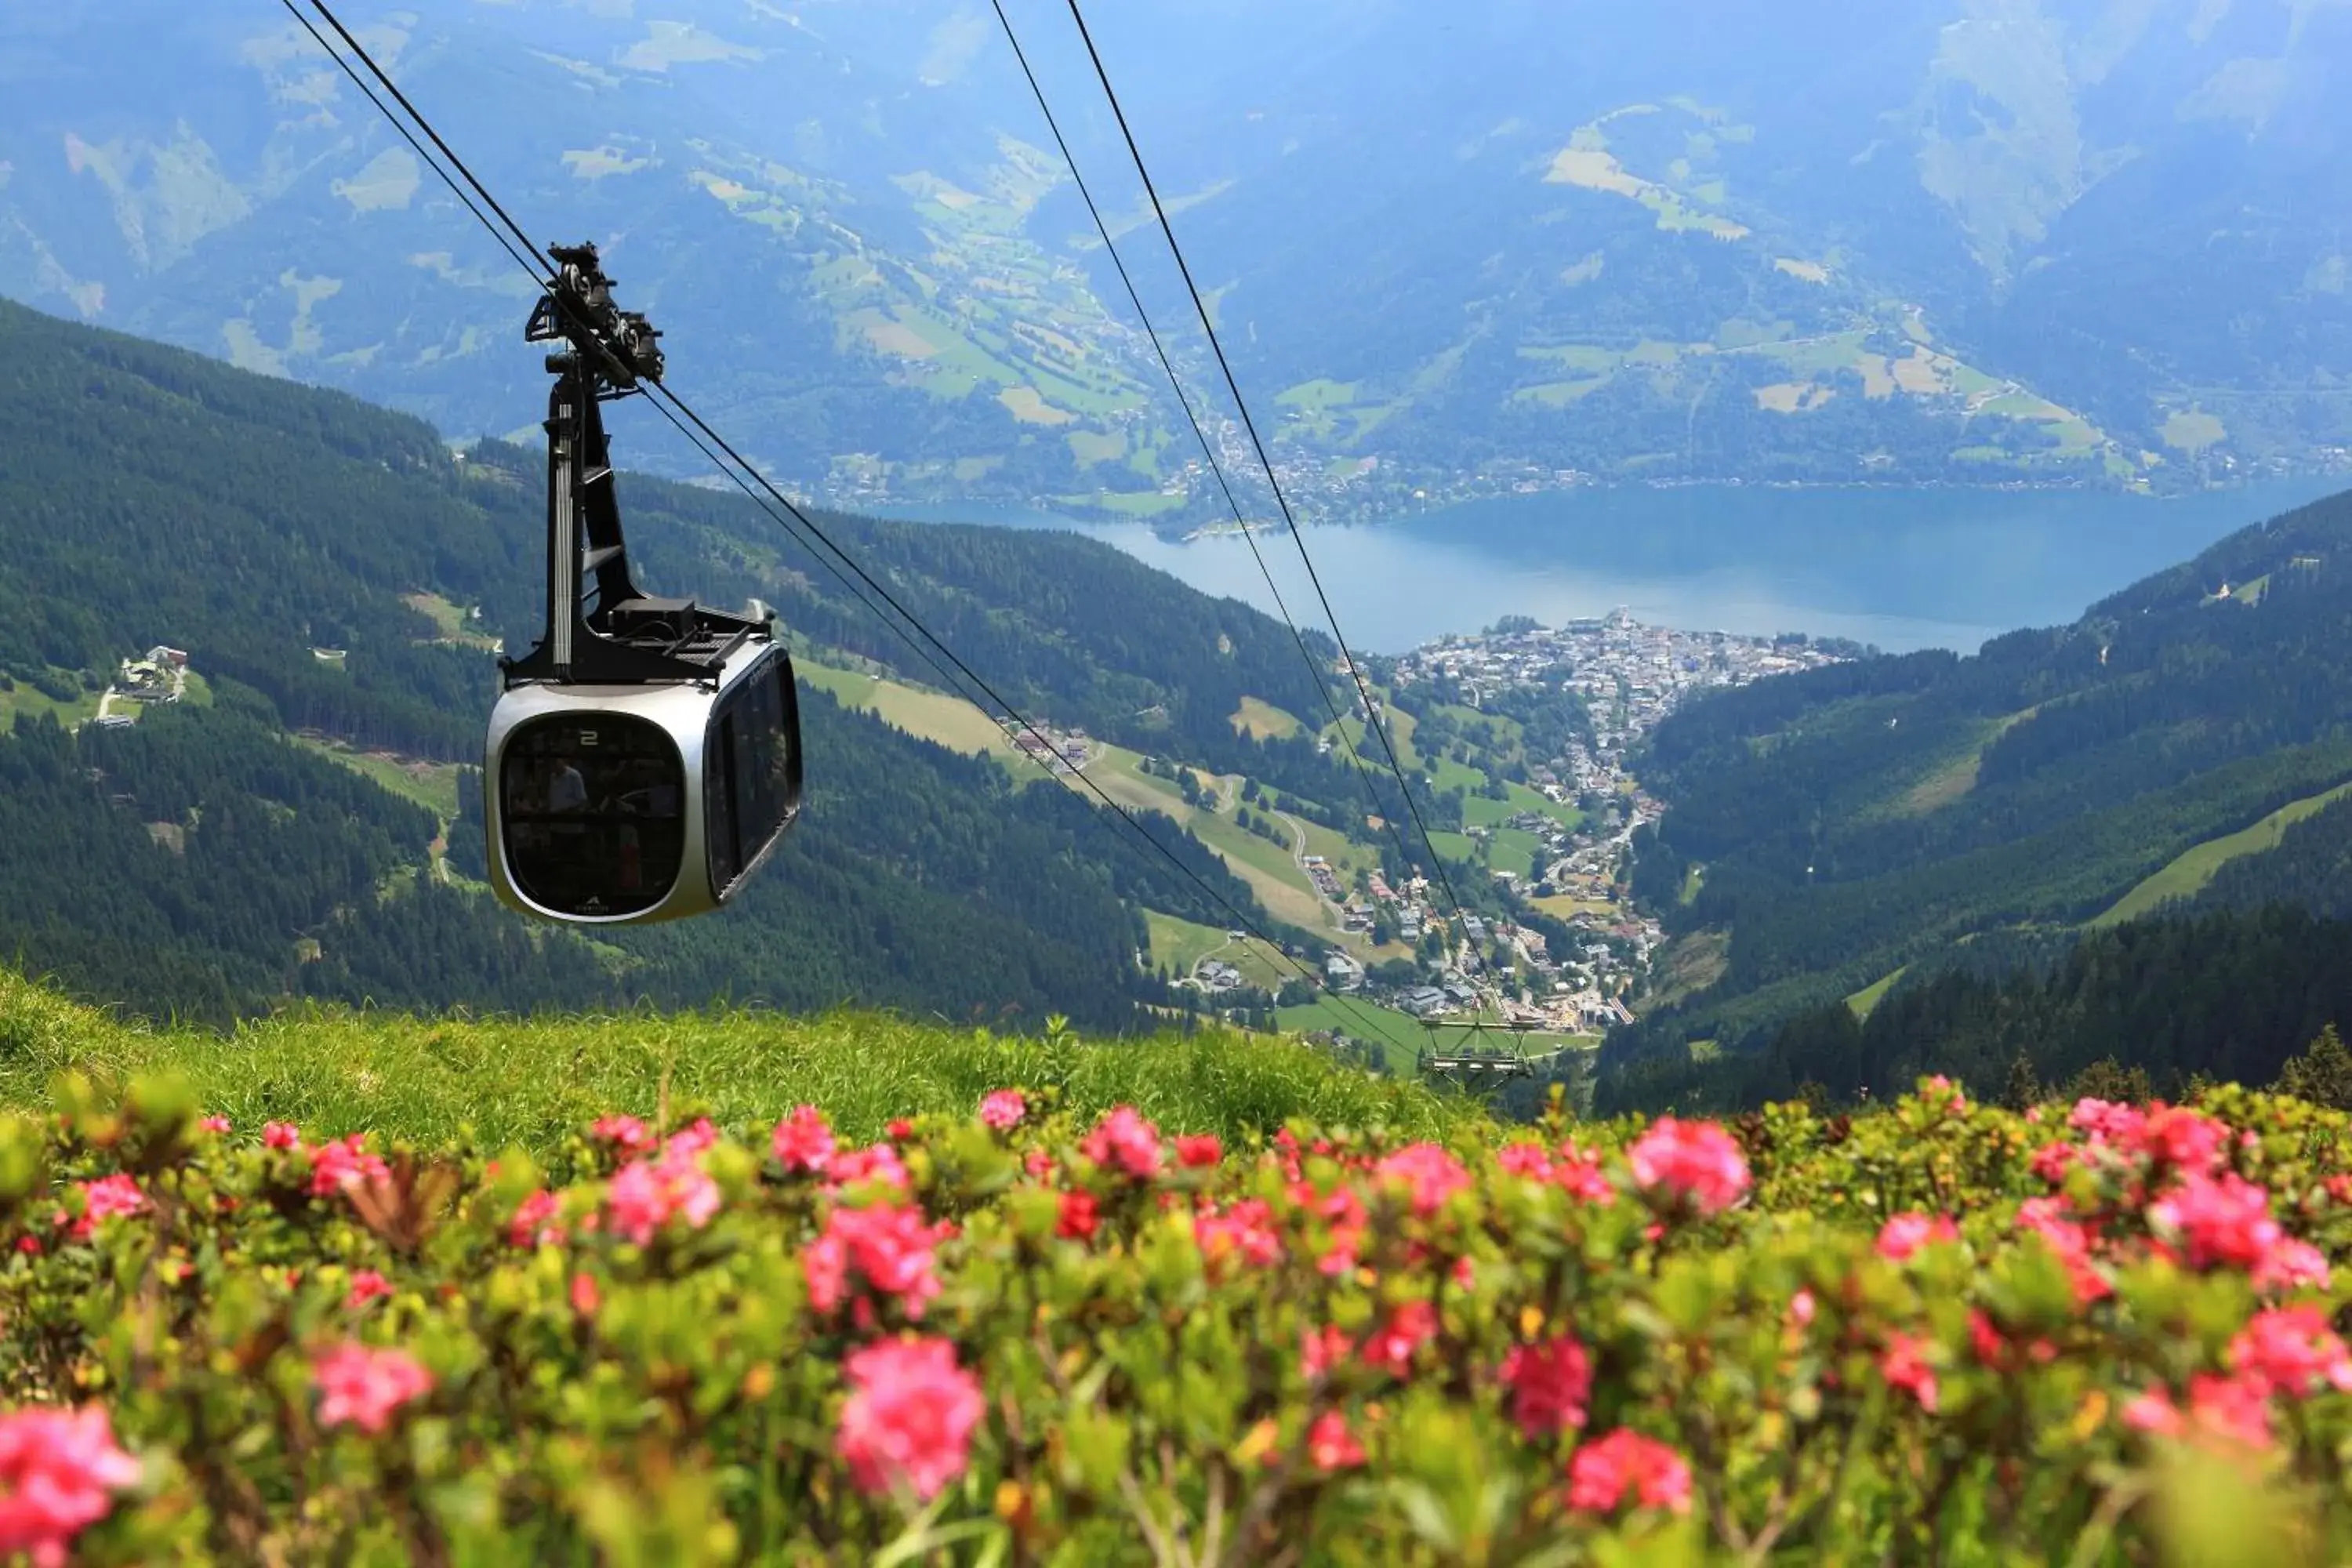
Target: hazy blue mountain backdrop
{"points": [[1472, 247]]}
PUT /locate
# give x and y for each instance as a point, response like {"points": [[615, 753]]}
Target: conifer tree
{"points": [[2109, 1079], [2322, 1074], [2024, 1091]]}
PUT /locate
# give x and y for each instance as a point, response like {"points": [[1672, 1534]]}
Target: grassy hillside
{"points": [[1019, 1327], [534, 1082], [2190, 873]]}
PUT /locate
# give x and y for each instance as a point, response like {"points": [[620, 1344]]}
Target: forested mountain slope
{"points": [[2227, 995], [1826, 829], [198, 860], [156, 495]]}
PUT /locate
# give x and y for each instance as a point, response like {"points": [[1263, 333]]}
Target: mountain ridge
{"points": [[1946, 247]]}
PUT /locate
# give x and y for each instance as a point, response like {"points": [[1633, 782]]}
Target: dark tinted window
{"points": [[752, 769], [593, 809]]}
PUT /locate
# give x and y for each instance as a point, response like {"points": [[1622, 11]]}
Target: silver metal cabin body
{"points": [[645, 759]]}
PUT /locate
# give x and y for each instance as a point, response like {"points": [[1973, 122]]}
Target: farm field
{"points": [[432, 786], [1178, 944], [1870, 995], [932, 715], [1267, 868], [1478, 811], [1263, 721], [1361, 1021], [30, 700]]}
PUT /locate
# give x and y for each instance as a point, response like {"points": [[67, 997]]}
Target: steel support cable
{"points": [[1363, 691], [530, 269], [1315, 671], [691, 416], [995, 697], [949, 680]]}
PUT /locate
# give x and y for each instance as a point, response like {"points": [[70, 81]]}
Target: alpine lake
{"points": [[1899, 568]]}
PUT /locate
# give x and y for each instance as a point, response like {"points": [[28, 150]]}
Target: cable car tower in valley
{"points": [[645, 758]]}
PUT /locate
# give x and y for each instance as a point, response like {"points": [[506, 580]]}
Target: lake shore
{"points": [[1899, 568]]}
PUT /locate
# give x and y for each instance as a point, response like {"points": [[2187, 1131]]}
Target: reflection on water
{"points": [[1903, 569]]}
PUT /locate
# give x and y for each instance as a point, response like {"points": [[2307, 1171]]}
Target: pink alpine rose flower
{"points": [[367, 1285], [2223, 1223], [626, 1134], [909, 1417], [1410, 1326], [2234, 1410], [1123, 1141], [103, 1199], [215, 1123], [1696, 1161], [2291, 1350], [2054, 1159], [1529, 1160], [2182, 1137], [1905, 1233], [802, 1142], [2109, 1123], [1604, 1472], [1330, 1445], [1245, 1231], [57, 1470], [280, 1135], [533, 1223], [1320, 1350], [2070, 1240], [1549, 1383], [1074, 1219], [1196, 1149], [1904, 1365], [364, 1387], [1578, 1174], [2152, 1410], [2290, 1265], [1002, 1109], [888, 1245], [341, 1164], [1431, 1173], [690, 1141], [646, 1195], [874, 1163]]}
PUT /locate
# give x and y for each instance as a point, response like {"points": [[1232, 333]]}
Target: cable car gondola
{"points": [[645, 758]]}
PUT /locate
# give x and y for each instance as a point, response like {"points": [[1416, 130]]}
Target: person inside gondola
{"points": [[567, 791]]}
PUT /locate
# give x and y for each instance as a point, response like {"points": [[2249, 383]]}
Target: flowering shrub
{"points": [[1939, 1332]]}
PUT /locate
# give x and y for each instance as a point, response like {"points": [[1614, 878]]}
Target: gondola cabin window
{"points": [[751, 772], [593, 810]]}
